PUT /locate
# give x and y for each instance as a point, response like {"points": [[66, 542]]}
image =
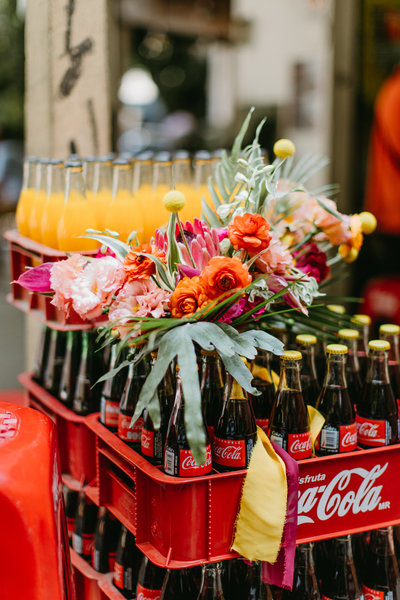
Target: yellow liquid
{"points": [[53, 210], [77, 216], [100, 203], [24, 209], [156, 215], [124, 216], [39, 203], [192, 207]]}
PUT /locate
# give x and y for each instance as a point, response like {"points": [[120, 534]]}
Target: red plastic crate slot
{"points": [[86, 579], [117, 495], [93, 493], [108, 589]]}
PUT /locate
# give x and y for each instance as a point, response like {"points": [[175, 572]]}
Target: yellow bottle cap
{"points": [[337, 349], [306, 339], [389, 329], [361, 319], [379, 345], [291, 355], [349, 334], [336, 308]]}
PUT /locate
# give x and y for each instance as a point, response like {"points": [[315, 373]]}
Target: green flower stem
{"points": [[185, 241]]}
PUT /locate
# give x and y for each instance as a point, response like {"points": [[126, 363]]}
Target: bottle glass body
{"points": [[211, 586], [393, 361], [87, 395], [112, 391], [179, 585], [305, 585], [54, 204], [134, 381], [352, 369], [339, 432], [289, 423], [150, 580], [39, 201], [124, 215], [262, 404], [381, 575], [143, 191], [70, 368], [55, 359], [100, 198], [212, 388], [377, 422], [341, 579], [85, 525], [127, 562], [106, 538], [42, 355], [27, 195], [310, 386]]}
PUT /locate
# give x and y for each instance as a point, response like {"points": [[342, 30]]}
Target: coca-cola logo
{"points": [[143, 596], [349, 439], [146, 439], [229, 452], [368, 430], [112, 408], [372, 594], [343, 493], [189, 462], [300, 446]]}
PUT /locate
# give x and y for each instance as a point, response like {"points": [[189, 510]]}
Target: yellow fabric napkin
{"points": [[316, 423], [259, 526]]}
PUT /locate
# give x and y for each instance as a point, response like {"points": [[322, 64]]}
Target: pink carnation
{"points": [[276, 258], [62, 275]]}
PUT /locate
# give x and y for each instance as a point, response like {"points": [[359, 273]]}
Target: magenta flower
{"points": [[312, 261]]}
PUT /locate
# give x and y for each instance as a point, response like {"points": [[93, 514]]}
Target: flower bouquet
{"points": [[263, 251]]}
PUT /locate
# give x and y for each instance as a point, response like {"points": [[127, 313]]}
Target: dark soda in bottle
{"points": [[150, 580], [349, 338], [362, 323], [179, 585], [310, 387], [341, 582], [381, 575], [262, 404], [305, 585], [85, 524], [55, 360], [136, 377], [127, 562], [212, 389], [112, 391], [91, 368], [70, 368], [106, 538]]}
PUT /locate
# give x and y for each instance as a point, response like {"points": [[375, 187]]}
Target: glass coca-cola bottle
{"points": [[179, 585], [305, 585], [85, 524], [55, 359], [135, 379], [152, 440], [349, 338], [390, 333], [106, 538], [211, 586], [71, 505], [381, 575], [306, 344], [289, 423], [262, 404], [376, 417], [178, 458], [127, 562], [363, 324], [340, 581], [42, 355], [150, 580], [257, 589], [339, 432], [236, 432], [70, 368], [235, 579], [112, 391], [321, 554], [212, 389], [359, 545], [91, 368]]}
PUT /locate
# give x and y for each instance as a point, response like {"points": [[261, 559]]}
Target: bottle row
{"points": [[60, 200], [365, 417], [364, 565]]}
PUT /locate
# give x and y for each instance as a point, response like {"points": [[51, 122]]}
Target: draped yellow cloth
{"points": [[259, 526]]}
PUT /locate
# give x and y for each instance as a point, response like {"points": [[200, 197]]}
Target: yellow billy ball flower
{"points": [[368, 222], [349, 255], [284, 148], [174, 201]]}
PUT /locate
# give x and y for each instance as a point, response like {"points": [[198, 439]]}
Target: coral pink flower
{"points": [[93, 288], [62, 275], [154, 303], [276, 258]]}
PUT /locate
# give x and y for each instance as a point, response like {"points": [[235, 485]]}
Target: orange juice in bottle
{"points": [[182, 181], [54, 203], [202, 171], [124, 215], [156, 214], [25, 202], [77, 215], [142, 190], [39, 200], [101, 197]]}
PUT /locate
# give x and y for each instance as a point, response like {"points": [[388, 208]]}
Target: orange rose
{"points": [[188, 296], [249, 232], [141, 267], [223, 275]]}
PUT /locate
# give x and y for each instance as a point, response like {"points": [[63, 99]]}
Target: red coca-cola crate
{"points": [[76, 441], [108, 589], [25, 253], [189, 521], [86, 579]]}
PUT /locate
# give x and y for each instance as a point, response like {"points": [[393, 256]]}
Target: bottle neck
{"points": [[29, 175], [211, 578], [162, 174], [290, 375], [88, 173], [308, 367], [202, 171], [335, 371], [142, 174], [211, 375], [393, 339], [352, 356], [40, 181], [122, 180], [102, 176], [182, 172], [74, 184], [55, 183], [378, 369], [381, 542]]}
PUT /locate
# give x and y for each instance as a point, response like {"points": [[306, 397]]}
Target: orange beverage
{"points": [[182, 181], [39, 201], [77, 215], [100, 198], [124, 214], [156, 215], [142, 189], [25, 202], [54, 205]]}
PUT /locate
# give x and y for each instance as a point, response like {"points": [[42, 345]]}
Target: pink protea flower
{"points": [[202, 241], [276, 258], [63, 274], [93, 288]]}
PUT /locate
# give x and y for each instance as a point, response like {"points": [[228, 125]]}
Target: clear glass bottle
{"points": [[349, 337], [54, 203], [377, 415], [26, 197], [289, 422], [306, 344], [162, 183], [39, 201], [142, 189], [339, 432], [124, 215], [211, 586], [363, 324], [390, 332], [101, 193]]}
